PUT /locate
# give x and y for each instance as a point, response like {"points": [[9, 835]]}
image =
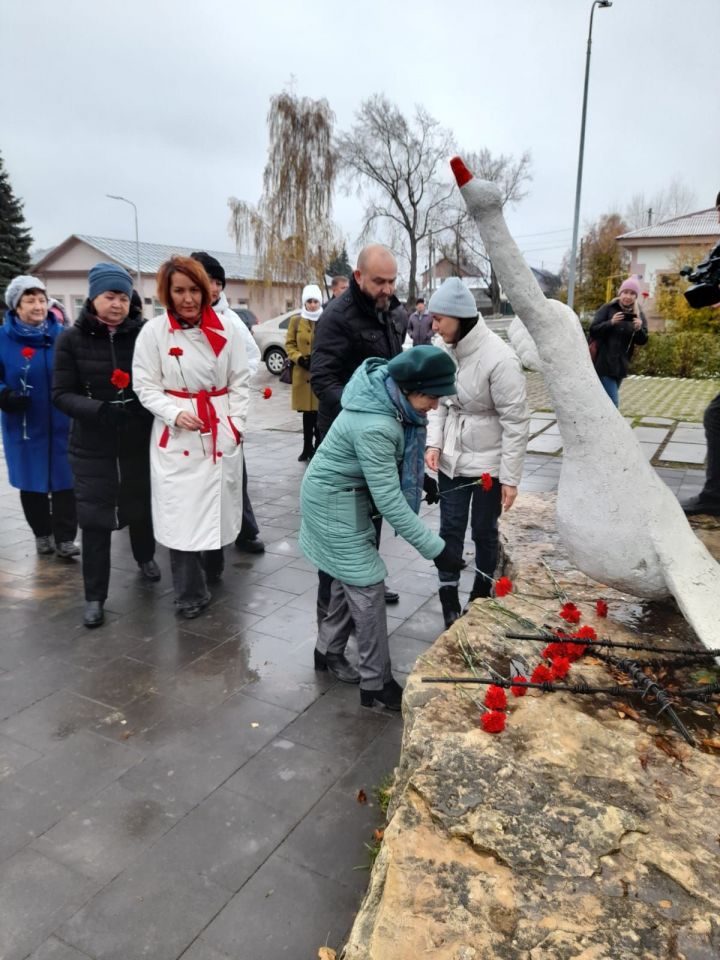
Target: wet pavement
{"points": [[174, 788]]}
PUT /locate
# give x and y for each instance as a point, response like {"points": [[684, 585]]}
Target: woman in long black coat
{"points": [[110, 434], [618, 327]]}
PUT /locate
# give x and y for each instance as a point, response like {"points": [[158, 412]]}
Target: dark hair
{"points": [[192, 269], [717, 200], [213, 267], [420, 300], [335, 281]]}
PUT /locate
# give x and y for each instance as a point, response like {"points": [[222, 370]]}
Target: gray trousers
{"points": [[364, 609], [188, 578]]}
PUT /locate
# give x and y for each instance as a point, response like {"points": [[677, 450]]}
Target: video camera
{"points": [[706, 279]]}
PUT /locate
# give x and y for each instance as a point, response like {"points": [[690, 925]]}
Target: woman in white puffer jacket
{"points": [[481, 430]]}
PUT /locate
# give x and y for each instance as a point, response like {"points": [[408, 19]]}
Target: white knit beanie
{"points": [[453, 299], [20, 285]]}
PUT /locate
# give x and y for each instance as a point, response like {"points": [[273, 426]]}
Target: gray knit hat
{"points": [[20, 285], [453, 299]]}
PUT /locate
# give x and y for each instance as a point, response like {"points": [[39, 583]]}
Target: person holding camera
{"points": [[617, 328]]}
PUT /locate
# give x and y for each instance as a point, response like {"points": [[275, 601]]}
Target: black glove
{"points": [[448, 560], [431, 489], [13, 402], [114, 414], [304, 362]]}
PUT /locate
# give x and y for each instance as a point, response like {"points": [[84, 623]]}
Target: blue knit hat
{"points": [[108, 276], [424, 369]]}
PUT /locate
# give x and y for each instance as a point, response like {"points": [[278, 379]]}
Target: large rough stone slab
{"points": [[578, 832]]}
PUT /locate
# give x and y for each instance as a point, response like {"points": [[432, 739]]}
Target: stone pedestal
{"points": [[587, 829]]}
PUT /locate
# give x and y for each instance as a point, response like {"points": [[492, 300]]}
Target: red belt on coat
{"points": [[205, 410]]}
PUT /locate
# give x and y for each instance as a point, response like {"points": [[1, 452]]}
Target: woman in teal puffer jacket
{"points": [[371, 462]]}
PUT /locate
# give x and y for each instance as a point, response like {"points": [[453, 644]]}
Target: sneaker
{"points": [[44, 545], [67, 549]]}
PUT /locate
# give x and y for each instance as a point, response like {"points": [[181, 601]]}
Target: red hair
{"points": [[193, 271]]}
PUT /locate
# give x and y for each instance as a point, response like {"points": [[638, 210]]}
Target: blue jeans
{"points": [[612, 389], [455, 506]]}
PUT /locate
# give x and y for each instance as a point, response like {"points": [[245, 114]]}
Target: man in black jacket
{"points": [[367, 320]]}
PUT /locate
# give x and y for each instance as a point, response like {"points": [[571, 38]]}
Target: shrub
{"points": [[683, 354]]}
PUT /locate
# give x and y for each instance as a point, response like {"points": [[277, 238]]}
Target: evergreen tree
{"points": [[15, 238], [339, 264]]}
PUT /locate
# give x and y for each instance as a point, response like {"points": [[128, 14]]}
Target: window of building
{"points": [[77, 306], [158, 308], [289, 304]]}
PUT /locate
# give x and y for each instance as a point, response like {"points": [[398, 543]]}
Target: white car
{"points": [[270, 337]]}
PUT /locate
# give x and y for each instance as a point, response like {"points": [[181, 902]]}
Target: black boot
{"points": [[390, 696], [450, 605], [94, 615], [482, 587]]}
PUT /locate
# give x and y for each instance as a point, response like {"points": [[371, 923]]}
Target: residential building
{"points": [[64, 270]]}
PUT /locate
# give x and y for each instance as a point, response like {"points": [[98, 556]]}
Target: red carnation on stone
{"points": [[553, 650], [120, 379], [28, 352], [560, 668], [503, 586], [486, 481], [175, 352], [267, 393], [570, 613], [495, 698], [519, 691], [575, 651], [541, 674], [493, 721], [601, 608], [585, 633]]}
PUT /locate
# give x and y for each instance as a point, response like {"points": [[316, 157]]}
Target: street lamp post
{"points": [[113, 196], [578, 188]]}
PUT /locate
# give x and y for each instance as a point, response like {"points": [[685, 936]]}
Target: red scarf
{"points": [[209, 324]]}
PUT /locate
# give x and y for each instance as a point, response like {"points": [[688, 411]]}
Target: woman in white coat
{"points": [[481, 430], [190, 370]]}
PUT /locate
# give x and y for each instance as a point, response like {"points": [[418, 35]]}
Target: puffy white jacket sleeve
{"points": [[436, 426], [509, 393]]}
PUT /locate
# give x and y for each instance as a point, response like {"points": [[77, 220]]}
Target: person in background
{"points": [[338, 286], [298, 346], [248, 540], [482, 429], [35, 434], [109, 454], [371, 461], [618, 327], [190, 371], [420, 324]]}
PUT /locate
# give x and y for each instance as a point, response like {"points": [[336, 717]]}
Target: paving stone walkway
{"points": [[189, 788]]}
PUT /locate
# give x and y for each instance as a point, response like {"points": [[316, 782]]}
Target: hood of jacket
{"points": [[88, 323], [365, 391]]}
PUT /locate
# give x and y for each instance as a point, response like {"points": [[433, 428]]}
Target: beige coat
{"points": [[298, 343]]}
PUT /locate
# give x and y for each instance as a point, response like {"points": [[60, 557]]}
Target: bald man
{"points": [[367, 320]]}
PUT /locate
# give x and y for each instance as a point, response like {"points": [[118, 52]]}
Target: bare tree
{"points": [[512, 177], [403, 164], [290, 228], [672, 201]]}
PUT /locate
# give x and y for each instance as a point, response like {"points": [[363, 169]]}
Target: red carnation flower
{"points": [[541, 674], [575, 651], [28, 352], [519, 691], [120, 379], [493, 721], [570, 613], [267, 393], [175, 351], [553, 650], [495, 698], [486, 481], [560, 668], [503, 586], [601, 608], [585, 633]]}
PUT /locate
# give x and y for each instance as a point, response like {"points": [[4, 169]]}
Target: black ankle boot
{"points": [[450, 605], [390, 696], [482, 587]]}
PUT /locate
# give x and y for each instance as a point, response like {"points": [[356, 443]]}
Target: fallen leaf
{"points": [[665, 904], [378, 834], [326, 953], [361, 796], [625, 710], [713, 744], [126, 734]]}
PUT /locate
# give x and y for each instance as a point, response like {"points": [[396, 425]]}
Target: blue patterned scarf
{"points": [[412, 471]]}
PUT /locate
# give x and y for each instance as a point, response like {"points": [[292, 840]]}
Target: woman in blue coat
{"points": [[35, 433]]}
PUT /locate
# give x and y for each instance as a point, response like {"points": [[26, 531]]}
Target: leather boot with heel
{"points": [[450, 602]]}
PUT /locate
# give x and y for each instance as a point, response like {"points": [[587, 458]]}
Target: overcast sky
{"points": [[166, 102]]}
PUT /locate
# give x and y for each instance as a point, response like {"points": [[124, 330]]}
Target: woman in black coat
{"points": [[110, 434], [617, 328]]}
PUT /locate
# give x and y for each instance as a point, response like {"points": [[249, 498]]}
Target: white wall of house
{"points": [[648, 262]]}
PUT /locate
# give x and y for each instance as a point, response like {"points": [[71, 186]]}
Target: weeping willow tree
{"points": [[290, 229]]}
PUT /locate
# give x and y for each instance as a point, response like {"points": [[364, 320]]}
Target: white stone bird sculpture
{"points": [[620, 523]]}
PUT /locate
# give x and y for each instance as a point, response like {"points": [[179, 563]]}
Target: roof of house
{"points": [[703, 223], [238, 266]]}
